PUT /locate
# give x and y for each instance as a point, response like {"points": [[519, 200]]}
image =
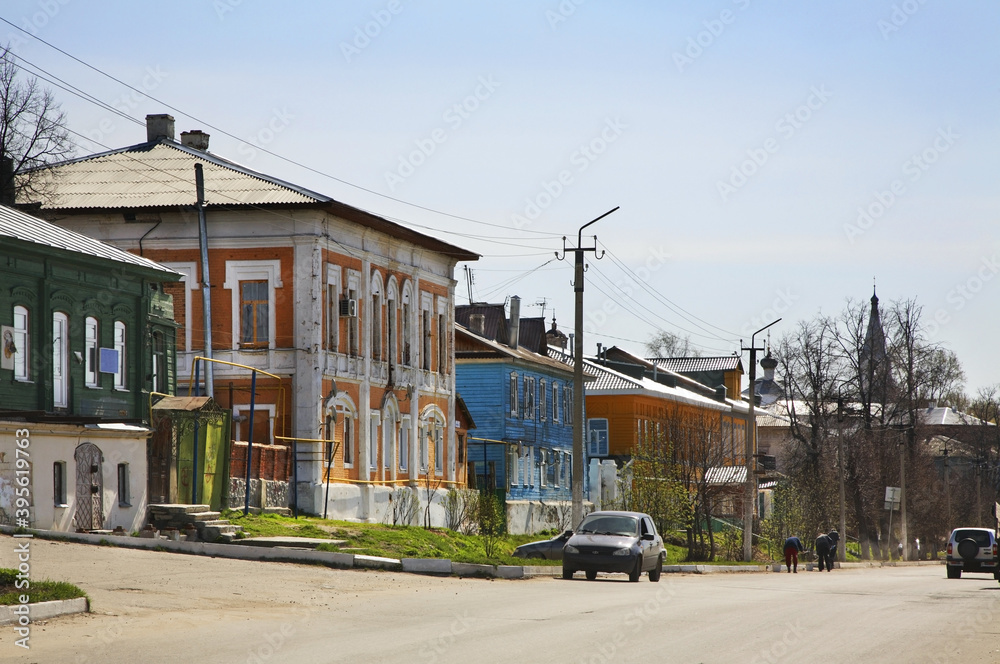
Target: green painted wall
{"points": [[46, 280]]}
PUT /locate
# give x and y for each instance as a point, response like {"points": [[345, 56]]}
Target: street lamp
{"points": [[751, 449]]}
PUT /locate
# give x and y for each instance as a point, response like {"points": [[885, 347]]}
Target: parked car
{"points": [[972, 550], [615, 542], [550, 549]]}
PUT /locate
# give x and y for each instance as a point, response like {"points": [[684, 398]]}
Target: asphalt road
{"points": [[154, 607]]}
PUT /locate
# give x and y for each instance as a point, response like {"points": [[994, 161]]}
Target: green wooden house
{"points": [[87, 328]]}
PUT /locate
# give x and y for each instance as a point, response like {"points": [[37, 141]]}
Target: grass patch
{"points": [[39, 591], [375, 539]]}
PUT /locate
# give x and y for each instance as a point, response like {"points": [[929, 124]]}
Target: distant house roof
{"points": [[608, 380], [693, 364], [530, 334], [160, 174], [470, 346], [946, 416], [17, 225], [766, 419]]}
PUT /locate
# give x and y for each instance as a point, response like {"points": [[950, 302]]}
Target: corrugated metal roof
{"points": [[692, 364], [726, 475], [20, 226], [162, 175], [766, 419], [610, 380], [521, 353]]}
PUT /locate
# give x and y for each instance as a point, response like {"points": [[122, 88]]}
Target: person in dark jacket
{"points": [[826, 547], [792, 547]]}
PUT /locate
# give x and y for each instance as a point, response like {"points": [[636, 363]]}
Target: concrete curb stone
{"points": [[46, 610]]}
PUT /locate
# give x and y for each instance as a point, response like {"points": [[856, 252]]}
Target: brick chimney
{"points": [[159, 127], [195, 138], [477, 324], [515, 320]]}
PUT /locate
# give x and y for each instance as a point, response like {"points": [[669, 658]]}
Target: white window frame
{"points": [[542, 399], [389, 443], [555, 402], [22, 342], [333, 297], [426, 331], [543, 467], [529, 465], [441, 323], [60, 359], [240, 409], [594, 449], [424, 453], [567, 406], [513, 396], [404, 443], [121, 347], [262, 270], [438, 447], [374, 421], [124, 492], [529, 398], [354, 322], [405, 334], [512, 476], [91, 342], [350, 430]]}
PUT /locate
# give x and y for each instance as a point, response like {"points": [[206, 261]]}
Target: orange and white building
{"points": [[353, 313]]}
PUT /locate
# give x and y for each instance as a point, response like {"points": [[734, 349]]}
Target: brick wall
{"points": [[270, 462]]}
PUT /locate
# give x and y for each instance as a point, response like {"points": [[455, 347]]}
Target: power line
{"points": [[625, 294], [673, 306]]}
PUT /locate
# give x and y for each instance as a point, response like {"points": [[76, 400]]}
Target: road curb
{"points": [[46, 610]]}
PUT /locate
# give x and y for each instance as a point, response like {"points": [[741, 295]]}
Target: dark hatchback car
{"points": [[615, 542], [550, 549]]}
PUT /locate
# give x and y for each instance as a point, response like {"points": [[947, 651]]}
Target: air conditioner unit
{"points": [[349, 308]]}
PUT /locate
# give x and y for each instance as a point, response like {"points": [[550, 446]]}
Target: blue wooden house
{"points": [[522, 402]]}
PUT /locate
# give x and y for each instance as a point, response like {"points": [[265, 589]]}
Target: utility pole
{"points": [[904, 536], [750, 499], [842, 541], [578, 397], [206, 286]]}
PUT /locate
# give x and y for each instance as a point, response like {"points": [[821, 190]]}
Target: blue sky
{"points": [[741, 139]]}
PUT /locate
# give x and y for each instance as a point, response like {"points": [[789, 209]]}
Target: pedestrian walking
{"points": [[793, 545]]}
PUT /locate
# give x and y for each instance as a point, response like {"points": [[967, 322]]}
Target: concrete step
{"points": [[178, 509], [211, 533], [203, 516]]}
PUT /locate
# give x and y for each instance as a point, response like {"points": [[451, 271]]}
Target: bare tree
{"points": [[668, 344], [32, 132], [814, 377]]}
